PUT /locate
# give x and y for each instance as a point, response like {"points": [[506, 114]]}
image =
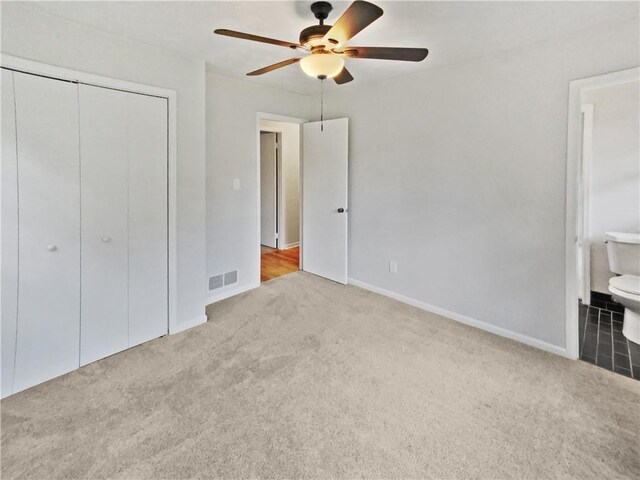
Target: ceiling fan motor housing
{"points": [[313, 35]]}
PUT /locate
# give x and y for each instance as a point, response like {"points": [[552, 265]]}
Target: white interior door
{"points": [[268, 189], [325, 198], [148, 218], [49, 228], [104, 179], [9, 232]]}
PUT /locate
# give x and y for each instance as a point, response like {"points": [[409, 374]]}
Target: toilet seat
{"points": [[626, 284]]}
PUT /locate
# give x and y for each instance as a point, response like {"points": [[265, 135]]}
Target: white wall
{"points": [[458, 174], [289, 180], [615, 171], [30, 34], [232, 153]]}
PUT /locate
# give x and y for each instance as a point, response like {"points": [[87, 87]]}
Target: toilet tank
{"points": [[623, 250]]}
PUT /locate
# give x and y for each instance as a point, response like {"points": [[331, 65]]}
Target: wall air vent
{"points": [[216, 282], [230, 278], [222, 280]]}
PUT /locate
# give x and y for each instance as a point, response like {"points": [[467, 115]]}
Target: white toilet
{"points": [[623, 250]]}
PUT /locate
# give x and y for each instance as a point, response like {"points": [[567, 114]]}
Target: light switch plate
{"points": [[236, 184]]}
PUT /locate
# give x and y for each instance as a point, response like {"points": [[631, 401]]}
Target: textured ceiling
{"points": [[453, 31]]}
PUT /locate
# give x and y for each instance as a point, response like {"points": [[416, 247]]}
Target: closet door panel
{"points": [[9, 233], [49, 223], [103, 154], [148, 280]]}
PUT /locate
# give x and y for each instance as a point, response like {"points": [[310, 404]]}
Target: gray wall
{"points": [[458, 174], [232, 153], [33, 35], [615, 171]]}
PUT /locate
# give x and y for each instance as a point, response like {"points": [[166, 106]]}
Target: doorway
{"points": [[602, 197], [314, 226], [279, 198]]}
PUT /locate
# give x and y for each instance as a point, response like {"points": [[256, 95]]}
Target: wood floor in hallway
{"points": [[275, 263]]}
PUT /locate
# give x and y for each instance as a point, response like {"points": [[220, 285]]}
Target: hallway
{"points": [[275, 263]]}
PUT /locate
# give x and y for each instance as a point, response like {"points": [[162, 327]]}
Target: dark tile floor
{"points": [[601, 339]]}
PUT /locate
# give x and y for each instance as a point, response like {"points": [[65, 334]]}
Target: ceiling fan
{"points": [[327, 43]]}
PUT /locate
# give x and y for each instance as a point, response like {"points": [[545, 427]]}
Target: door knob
{"points": [[106, 239], [341, 210], [52, 248]]}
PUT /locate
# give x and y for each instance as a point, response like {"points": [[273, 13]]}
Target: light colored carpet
{"points": [[304, 378]]}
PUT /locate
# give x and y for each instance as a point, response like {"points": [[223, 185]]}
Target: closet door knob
{"points": [[52, 248], [106, 239]]}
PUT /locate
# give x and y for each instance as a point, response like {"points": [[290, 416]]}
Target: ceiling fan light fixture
{"points": [[327, 44], [325, 65]]}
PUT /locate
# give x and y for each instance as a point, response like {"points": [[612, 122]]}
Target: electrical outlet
{"points": [[236, 184], [393, 266]]}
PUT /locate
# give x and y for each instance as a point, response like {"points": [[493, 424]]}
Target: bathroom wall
{"points": [[615, 171]]}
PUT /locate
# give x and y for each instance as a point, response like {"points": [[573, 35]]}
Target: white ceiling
{"points": [[453, 31]]}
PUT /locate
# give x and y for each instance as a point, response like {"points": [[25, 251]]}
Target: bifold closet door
{"points": [[105, 241], [123, 138], [48, 327], [148, 218]]}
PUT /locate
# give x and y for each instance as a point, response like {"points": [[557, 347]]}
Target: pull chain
{"points": [[322, 105]]}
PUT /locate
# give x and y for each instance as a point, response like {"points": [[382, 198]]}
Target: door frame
{"points": [[584, 206], [572, 200], [36, 68], [275, 118]]}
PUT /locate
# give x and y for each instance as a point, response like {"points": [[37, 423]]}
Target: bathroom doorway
{"points": [[603, 200], [279, 198]]}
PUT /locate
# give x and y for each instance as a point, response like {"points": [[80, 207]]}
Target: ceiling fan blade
{"points": [[343, 77], [275, 66], [359, 15], [386, 53], [255, 38]]}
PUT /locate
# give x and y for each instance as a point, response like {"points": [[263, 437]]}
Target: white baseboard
{"points": [[503, 332], [231, 292], [289, 245], [180, 327]]}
